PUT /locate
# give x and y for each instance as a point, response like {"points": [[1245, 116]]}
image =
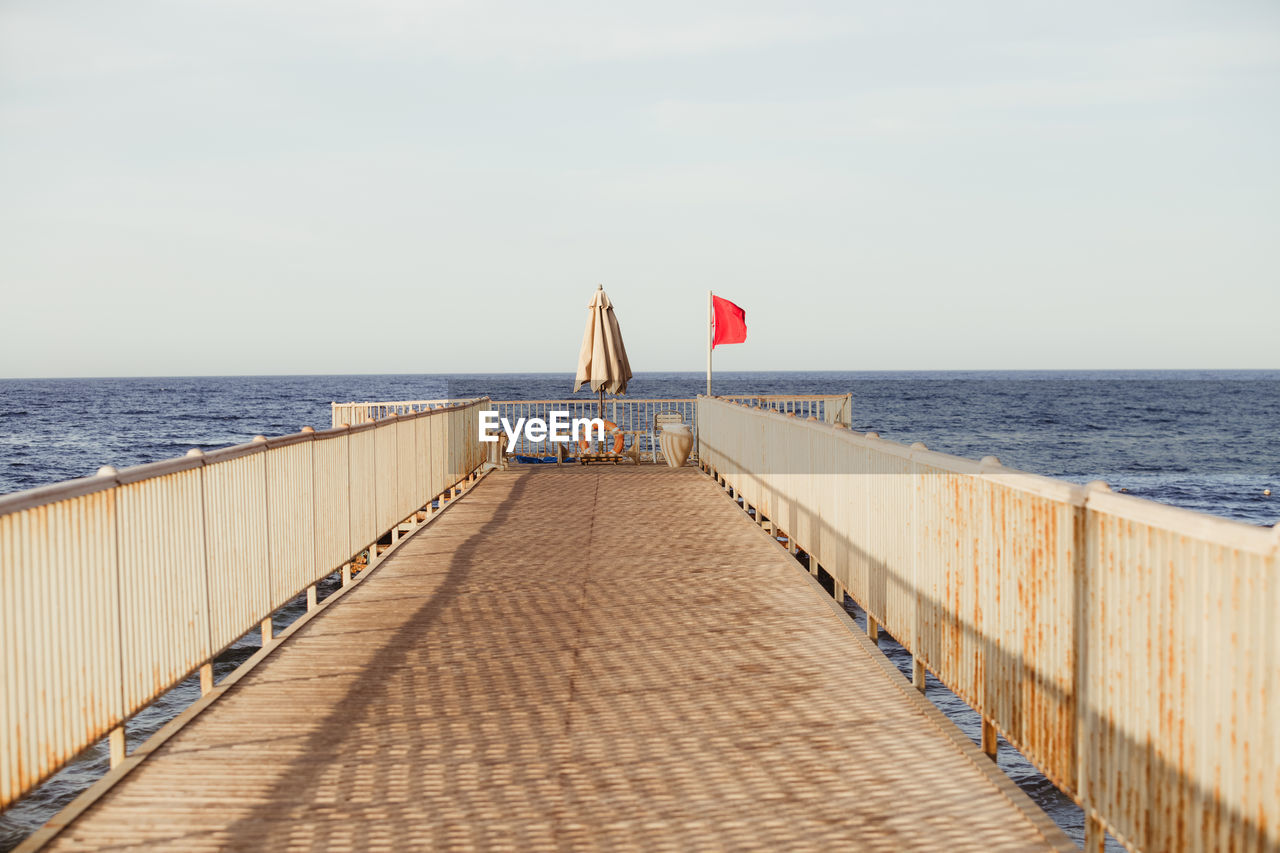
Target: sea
{"points": [[1204, 440]]}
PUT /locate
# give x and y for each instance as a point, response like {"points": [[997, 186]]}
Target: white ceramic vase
{"points": [[677, 444]]}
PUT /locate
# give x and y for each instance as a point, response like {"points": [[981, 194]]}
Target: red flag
{"points": [[730, 325]]}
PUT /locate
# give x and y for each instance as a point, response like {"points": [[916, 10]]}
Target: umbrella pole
{"points": [[601, 410]]}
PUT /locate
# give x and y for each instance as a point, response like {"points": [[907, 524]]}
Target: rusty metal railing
{"points": [[115, 588], [630, 414], [1129, 649]]}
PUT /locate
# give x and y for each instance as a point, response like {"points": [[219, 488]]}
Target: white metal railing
{"points": [[635, 416], [1131, 650], [358, 413], [117, 587]]}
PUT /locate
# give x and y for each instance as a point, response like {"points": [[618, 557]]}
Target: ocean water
{"points": [[1204, 440]]}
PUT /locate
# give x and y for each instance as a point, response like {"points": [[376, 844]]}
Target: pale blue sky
{"points": [[278, 186]]}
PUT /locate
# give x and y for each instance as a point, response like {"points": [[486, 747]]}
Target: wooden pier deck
{"points": [[577, 658]]}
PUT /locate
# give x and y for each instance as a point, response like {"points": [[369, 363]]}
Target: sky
{"points": [[280, 186]]}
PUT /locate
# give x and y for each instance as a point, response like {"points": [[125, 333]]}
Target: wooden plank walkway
{"points": [[578, 658]]}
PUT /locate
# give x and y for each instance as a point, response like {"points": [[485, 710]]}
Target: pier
{"points": [[585, 658], [552, 657]]}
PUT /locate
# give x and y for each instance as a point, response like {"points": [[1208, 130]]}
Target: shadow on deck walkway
{"points": [[573, 659]]}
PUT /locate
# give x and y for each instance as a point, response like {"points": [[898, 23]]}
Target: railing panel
{"points": [[363, 485], [751, 440], [60, 685], [997, 585], [1029, 687], [164, 592], [462, 440], [777, 500], [773, 500], [235, 523], [386, 479], [408, 490], [334, 525], [842, 511], [422, 459], [439, 460], [889, 583], [1179, 728], [479, 453], [446, 441], [291, 527]]}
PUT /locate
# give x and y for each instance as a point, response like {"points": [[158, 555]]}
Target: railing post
{"points": [[206, 677], [917, 673], [311, 593], [990, 739], [268, 632], [873, 629], [116, 745], [1095, 833]]}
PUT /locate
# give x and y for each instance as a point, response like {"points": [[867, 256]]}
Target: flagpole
{"points": [[710, 333]]}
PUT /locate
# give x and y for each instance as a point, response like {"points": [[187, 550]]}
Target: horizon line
{"points": [[697, 373]]}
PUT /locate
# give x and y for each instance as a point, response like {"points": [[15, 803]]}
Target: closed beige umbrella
{"points": [[603, 361]]}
